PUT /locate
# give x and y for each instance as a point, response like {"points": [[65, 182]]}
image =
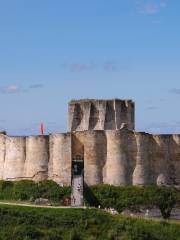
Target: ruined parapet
{"points": [[14, 158], [2, 153], [94, 114], [117, 163], [60, 158], [174, 166], [141, 174], [37, 158], [94, 156], [161, 159]]}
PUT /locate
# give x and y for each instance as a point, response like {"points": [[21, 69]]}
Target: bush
{"points": [[6, 190], [134, 197], [51, 190], [29, 190], [25, 190]]}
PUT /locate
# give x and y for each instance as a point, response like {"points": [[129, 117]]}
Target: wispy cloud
{"points": [[10, 89], [107, 66], [79, 67], [16, 89], [36, 85], [175, 91], [150, 6], [151, 108]]}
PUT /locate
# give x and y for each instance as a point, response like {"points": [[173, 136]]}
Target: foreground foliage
{"points": [[25, 223]]}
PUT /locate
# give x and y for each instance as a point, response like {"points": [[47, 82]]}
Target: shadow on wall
{"points": [[89, 196], [77, 117]]}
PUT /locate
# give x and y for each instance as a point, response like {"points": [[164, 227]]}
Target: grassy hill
{"points": [[25, 223]]}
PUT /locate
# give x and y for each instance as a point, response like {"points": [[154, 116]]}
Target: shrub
{"points": [[134, 197], [6, 189], [25, 190], [29, 190], [52, 191]]}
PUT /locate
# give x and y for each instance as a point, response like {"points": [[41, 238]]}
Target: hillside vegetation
{"points": [[25, 223]]}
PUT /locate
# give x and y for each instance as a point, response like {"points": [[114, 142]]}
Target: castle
{"points": [[101, 143]]}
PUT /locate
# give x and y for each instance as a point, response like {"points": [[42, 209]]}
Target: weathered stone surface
{"points": [[2, 154], [174, 160], [60, 158], [14, 158], [141, 174], [37, 158], [94, 114], [94, 156], [116, 168], [161, 159]]}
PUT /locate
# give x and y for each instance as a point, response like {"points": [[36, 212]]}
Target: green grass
{"points": [[25, 223]]}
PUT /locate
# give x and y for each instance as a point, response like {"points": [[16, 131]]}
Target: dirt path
{"points": [[37, 206]]}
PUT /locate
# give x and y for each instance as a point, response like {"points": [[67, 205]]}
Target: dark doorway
{"points": [[77, 166]]}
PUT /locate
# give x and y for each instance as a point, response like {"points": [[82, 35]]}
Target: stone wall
{"points": [[117, 157]]}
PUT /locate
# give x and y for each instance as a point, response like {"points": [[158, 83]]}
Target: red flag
{"points": [[42, 129]]}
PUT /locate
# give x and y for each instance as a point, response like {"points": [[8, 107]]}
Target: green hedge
{"points": [[29, 190]]}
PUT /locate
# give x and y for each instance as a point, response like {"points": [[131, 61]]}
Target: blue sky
{"points": [[54, 51]]}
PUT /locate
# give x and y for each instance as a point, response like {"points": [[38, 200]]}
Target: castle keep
{"points": [[101, 143]]}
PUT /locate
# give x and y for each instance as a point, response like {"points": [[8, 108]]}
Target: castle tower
{"points": [[91, 114]]}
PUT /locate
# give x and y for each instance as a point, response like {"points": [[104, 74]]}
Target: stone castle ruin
{"points": [[101, 145]]}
